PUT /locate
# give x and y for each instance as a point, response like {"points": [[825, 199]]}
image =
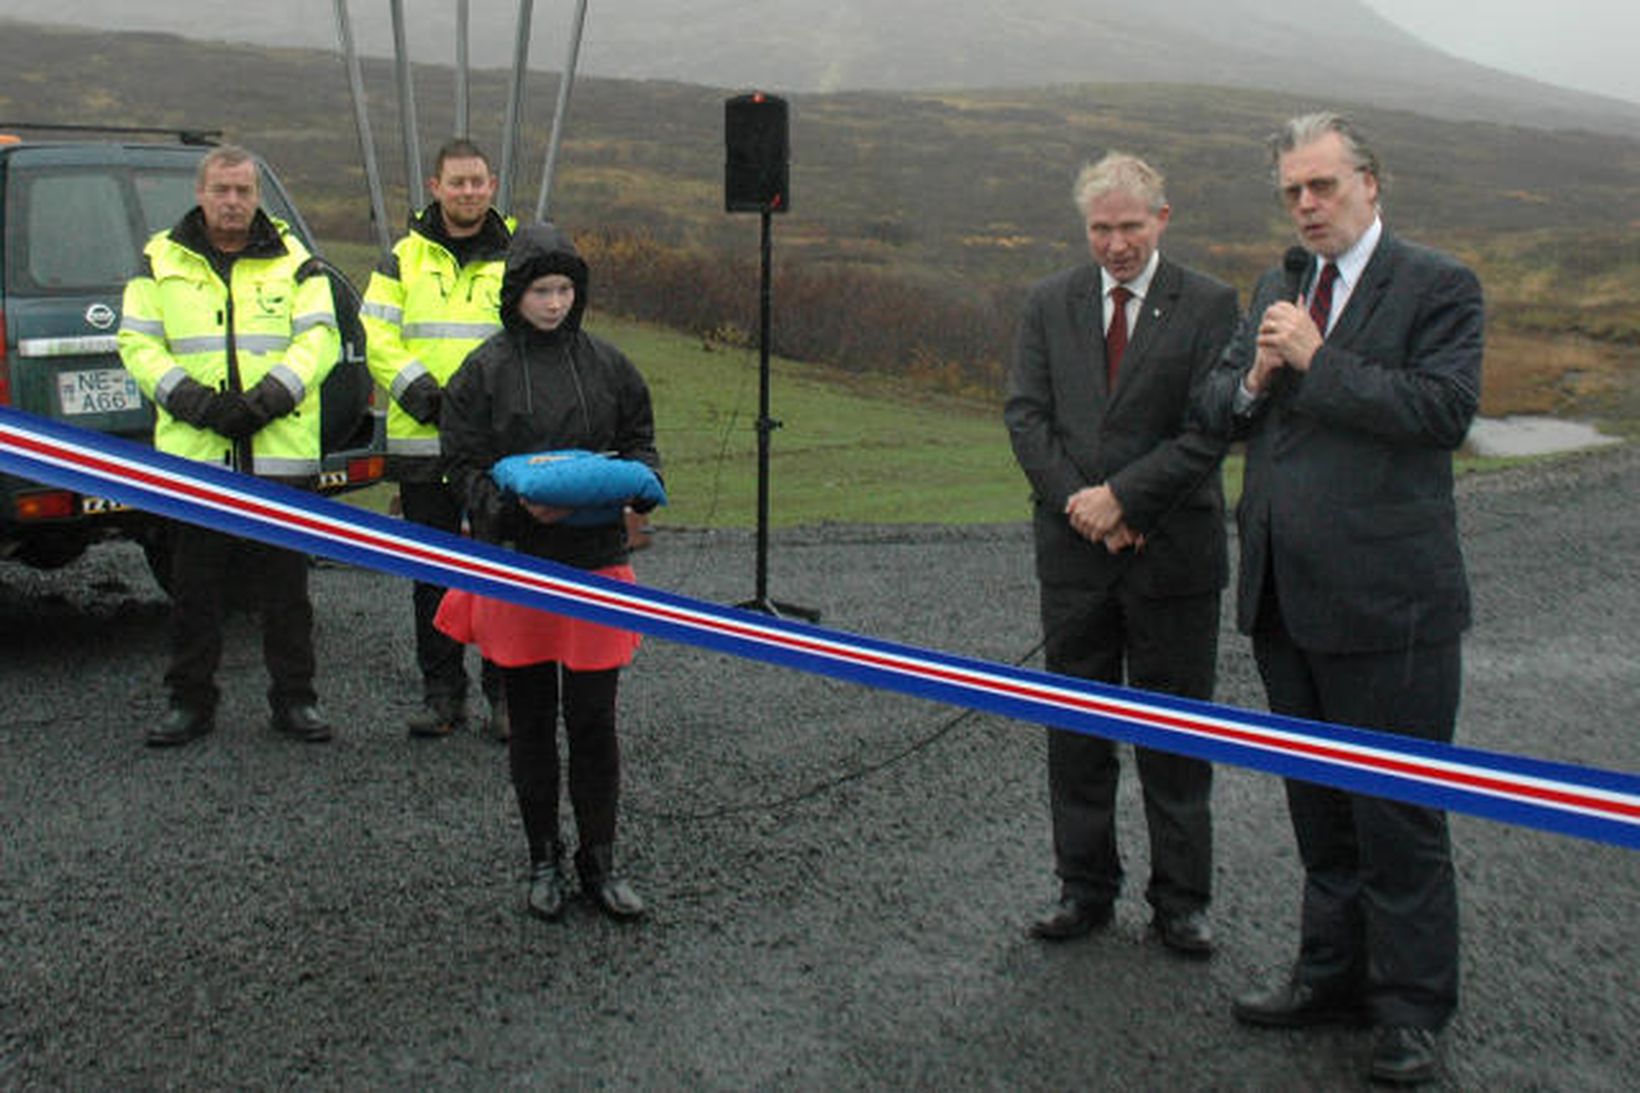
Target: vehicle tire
{"points": [[49, 550]]}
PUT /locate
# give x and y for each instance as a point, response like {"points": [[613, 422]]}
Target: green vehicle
{"points": [[74, 216]]}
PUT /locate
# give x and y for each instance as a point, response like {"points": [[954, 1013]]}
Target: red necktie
{"points": [[1321, 299], [1116, 335]]}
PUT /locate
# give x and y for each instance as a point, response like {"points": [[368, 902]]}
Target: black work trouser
{"points": [[533, 694], [441, 659], [1168, 646], [207, 567]]}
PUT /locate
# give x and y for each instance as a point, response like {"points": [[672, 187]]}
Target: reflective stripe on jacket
{"points": [[423, 312], [180, 320]]}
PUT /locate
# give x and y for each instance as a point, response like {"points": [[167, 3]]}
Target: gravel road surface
{"points": [[839, 878]]}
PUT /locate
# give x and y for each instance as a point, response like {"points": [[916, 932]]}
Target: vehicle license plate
{"points": [[97, 391], [97, 506]]}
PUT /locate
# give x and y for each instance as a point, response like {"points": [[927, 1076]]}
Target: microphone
{"points": [[1295, 263]]}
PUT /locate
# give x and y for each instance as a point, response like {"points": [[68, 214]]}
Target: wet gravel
{"points": [[839, 877]]}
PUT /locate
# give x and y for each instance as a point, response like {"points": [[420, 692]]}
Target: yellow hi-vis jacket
{"points": [[276, 317], [423, 312]]}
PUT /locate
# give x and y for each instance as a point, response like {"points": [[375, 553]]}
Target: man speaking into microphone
{"points": [[1354, 375]]}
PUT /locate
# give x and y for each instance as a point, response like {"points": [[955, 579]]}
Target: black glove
{"points": [[232, 415], [422, 399], [190, 401], [270, 399]]}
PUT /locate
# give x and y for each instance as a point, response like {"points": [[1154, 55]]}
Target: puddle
{"points": [[1526, 435]]}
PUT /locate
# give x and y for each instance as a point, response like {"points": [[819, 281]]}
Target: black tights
{"points": [[594, 753]]}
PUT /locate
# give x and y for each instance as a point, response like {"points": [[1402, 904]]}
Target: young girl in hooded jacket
{"points": [[544, 384]]}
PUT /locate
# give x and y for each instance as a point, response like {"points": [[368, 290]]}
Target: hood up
{"points": [[536, 251]]}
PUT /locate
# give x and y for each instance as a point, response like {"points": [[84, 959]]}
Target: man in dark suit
{"points": [[1130, 536], [1353, 377]]}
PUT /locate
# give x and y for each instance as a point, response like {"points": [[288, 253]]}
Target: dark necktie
{"points": [[1116, 335], [1321, 300]]}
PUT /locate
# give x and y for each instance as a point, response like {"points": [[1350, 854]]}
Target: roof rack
{"points": [[186, 136]]}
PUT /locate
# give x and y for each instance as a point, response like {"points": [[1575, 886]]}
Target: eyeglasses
{"points": [[1323, 188]]}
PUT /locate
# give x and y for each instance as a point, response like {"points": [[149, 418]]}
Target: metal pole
{"points": [[515, 105], [462, 21], [765, 424], [566, 83], [361, 121], [407, 110]]}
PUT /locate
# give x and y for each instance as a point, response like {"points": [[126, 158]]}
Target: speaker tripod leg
{"points": [[780, 610]]}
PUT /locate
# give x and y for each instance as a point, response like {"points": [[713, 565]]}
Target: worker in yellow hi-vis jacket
{"points": [[429, 303], [229, 329]]}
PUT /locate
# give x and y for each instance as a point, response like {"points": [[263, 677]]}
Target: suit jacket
{"points": [[1347, 499], [1069, 431]]}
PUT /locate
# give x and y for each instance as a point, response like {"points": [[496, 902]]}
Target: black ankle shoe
{"points": [[616, 899], [549, 891], [1404, 1055], [612, 895]]}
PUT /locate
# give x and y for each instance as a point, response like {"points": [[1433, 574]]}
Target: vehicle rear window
{"points": [[163, 196], [71, 229], [77, 229]]}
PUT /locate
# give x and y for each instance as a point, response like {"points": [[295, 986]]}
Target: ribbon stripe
{"points": [[1583, 802]]}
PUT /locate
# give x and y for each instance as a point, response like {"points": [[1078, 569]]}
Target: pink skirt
{"points": [[513, 636]]}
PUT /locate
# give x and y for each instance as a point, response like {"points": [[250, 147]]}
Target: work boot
{"points": [[613, 896], [437, 718]]}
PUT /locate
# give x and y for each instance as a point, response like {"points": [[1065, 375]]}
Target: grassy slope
{"points": [[959, 186], [851, 449]]}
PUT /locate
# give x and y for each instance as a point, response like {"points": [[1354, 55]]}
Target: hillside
{"points": [[958, 196], [797, 46]]}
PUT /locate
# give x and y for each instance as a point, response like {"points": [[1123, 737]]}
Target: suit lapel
{"points": [[1087, 323], [1153, 314], [1376, 278], [1365, 297]]}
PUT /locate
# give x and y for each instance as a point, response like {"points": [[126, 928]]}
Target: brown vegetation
{"points": [[917, 220]]}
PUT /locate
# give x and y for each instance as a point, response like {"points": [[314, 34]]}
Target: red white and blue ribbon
{"points": [[1584, 802]]}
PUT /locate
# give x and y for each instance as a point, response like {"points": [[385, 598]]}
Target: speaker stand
{"points": [[766, 425]]}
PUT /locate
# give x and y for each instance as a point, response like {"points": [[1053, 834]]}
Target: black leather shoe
{"points": [[549, 891], [1071, 918], [1184, 932], [303, 723], [181, 726], [1404, 1055], [1296, 1005]]}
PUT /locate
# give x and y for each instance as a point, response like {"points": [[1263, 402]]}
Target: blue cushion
{"points": [[596, 486]]}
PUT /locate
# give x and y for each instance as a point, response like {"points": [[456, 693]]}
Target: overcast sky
{"points": [[1590, 45]]}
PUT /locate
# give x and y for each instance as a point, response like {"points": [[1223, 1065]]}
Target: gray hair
{"points": [[223, 155], [1119, 172], [1309, 128]]}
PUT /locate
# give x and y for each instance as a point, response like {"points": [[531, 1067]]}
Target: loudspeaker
{"points": [[755, 172]]}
